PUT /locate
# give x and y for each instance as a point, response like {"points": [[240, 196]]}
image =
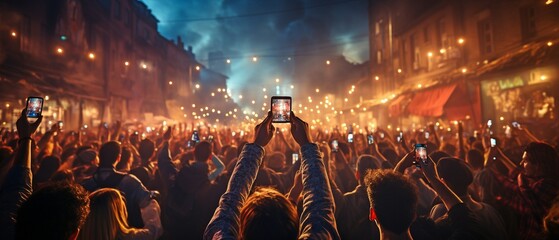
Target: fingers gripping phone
{"points": [[334, 145], [370, 139], [294, 158], [34, 108], [281, 109], [420, 154]]}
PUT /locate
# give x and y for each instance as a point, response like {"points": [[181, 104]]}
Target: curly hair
{"points": [[394, 199], [55, 211]]}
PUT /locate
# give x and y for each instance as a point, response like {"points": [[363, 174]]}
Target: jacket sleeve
{"points": [[225, 222], [167, 169], [317, 219], [15, 191]]}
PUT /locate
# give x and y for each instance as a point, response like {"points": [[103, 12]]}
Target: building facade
{"points": [[95, 61], [465, 60]]}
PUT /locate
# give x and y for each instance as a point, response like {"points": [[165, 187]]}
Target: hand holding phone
{"points": [[281, 109], [370, 139], [334, 145], [294, 158], [350, 137], [420, 154], [34, 108]]}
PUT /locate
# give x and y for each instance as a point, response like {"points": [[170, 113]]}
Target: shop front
{"points": [[527, 96]]}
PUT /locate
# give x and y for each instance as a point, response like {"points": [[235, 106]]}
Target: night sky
{"points": [[275, 31]]}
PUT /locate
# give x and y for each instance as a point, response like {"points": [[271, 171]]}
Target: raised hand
{"points": [[300, 130], [24, 127], [264, 131]]}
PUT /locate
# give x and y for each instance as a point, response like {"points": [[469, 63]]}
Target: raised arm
{"points": [[225, 222], [17, 187], [317, 220]]}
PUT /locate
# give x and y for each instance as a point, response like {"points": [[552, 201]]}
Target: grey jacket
{"points": [[317, 219]]}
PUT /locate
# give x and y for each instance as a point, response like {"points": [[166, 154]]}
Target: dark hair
{"points": [[364, 164], [63, 176], [276, 161], [146, 150], [391, 156], [55, 211], [394, 199], [202, 151], [456, 174], [437, 155], [544, 156], [450, 149], [267, 214], [109, 153], [475, 158], [344, 148], [125, 159], [49, 165]]}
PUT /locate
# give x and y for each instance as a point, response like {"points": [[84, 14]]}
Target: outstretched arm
{"points": [[225, 222], [317, 219]]}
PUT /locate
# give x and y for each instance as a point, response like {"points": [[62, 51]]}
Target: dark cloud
{"points": [[301, 29]]}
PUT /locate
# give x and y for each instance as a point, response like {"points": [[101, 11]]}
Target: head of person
{"points": [[87, 157], [475, 159], [107, 218], [203, 151], [109, 154], [65, 175], [49, 165], [56, 211], [268, 214], [437, 155], [450, 149], [229, 153], [276, 161], [146, 150], [364, 164], [540, 160], [393, 199], [126, 159], [456, 174], [344, 148]]}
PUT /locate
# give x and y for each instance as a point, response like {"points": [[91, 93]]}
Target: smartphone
{"points": [[34, 108], [105, 125], [370, 139], [334, 145], [210, 138], [60, 124], [350, 138], [381, 135], [508, 131], [195, 136], [493, 142], [400, 136], [189, 144], [420, 154], [294, 158], [281, 109], [489, 123], [516, 125], [426, 135]]}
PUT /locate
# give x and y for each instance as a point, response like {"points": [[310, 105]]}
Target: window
{"points": [[414, 50], [528, 22], [485, 31]]}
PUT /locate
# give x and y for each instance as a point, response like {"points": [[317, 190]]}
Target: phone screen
{"points": [[350, 138], [399, 137], [420, 153], [34, 108], [281, 109], [294, 158], [370, 139], [60, 124], [493, 142], [426, 135], [489, 123], [195, 136], [335, 145]]}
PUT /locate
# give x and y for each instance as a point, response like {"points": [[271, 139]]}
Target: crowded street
{"points": [[293, 119]]}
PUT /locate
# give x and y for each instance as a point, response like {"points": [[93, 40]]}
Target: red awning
{"points": [[395, 108], [431, 103]]}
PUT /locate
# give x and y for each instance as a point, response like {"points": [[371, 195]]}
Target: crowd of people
{"points": [[269, 183]]}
